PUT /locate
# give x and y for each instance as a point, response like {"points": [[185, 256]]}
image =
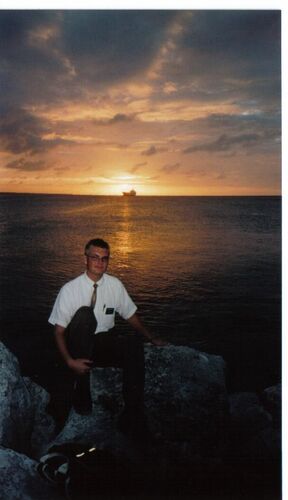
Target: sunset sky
{"points": [[166, 102]]}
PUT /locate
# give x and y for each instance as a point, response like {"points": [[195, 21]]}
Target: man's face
{"points": [[96, 260]]}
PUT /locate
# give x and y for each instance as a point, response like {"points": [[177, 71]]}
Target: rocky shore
{"points": [[209, 444]]}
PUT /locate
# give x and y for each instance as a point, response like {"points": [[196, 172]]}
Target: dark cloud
{"points": [[264, 124], [136, 167], [246, 40], [32, 68], [22, 132], [49, 56], [239, 120], [169, 169], [223, 143], [226, 143], [152, 150], [15, 25], [113, 45], [227, 56], [54, 55], [149, 151], [27, 165], [118, 118]]}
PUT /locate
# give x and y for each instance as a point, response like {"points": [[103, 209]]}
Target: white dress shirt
{"points": [[112, 297]]}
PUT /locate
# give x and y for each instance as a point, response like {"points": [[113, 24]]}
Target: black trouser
{"points": [[103, 349]]}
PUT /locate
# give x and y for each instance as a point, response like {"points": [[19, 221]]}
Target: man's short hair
{"points": [[97, 242]]}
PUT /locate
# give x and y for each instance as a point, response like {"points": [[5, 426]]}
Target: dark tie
{"points": [[94, 296]]}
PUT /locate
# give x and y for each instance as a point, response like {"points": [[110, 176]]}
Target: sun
{"points": [[118, 189], [125, 187]]}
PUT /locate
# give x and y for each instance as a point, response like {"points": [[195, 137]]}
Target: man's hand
{"points": [[140, 328], [80, 366]]}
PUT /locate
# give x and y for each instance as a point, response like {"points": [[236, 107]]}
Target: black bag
{"points": [[83, 471]]}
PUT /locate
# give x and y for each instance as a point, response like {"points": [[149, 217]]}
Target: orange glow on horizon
{"points": [[116, 190]]}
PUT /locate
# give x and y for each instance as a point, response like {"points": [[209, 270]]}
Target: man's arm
{"points": [[136, 323], [79, 366]]}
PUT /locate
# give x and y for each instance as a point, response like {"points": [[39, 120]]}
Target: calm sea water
{"points": [[204, 272]]}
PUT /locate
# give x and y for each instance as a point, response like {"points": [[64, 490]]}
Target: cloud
{"points": [[240, 127], [169, 169], [27, 165], [227, 143], [33, 69], [210, 80], [48, 56], [22, 132], [248, 41], [152, 150], [110, 46], [149, 151], [52, 56], [136, 167], [225, 55], [118, 118]]}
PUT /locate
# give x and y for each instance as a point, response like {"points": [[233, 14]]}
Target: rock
{"points": [[43, 426], [15, 404], [185, 399], [252, 433], [272, 401], [19, 479], [24, 424], [187, 409]]}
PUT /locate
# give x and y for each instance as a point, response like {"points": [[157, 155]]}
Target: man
{"points": [[83, 318]]}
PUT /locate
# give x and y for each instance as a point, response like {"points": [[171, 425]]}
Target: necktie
{"points": [[94, 296]]}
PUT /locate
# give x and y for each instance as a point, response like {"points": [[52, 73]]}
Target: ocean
{"points": [[204, 272]]}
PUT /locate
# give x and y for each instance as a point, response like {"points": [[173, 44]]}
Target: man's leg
{"points": [[60, 394], [126, 352], [80, 333], [80, 338], [70, 389]]}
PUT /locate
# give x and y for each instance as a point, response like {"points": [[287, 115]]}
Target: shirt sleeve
{"points": [[126, 307], [62, 310]]}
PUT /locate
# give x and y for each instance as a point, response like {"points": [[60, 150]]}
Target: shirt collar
{"points": [[91, 282]]}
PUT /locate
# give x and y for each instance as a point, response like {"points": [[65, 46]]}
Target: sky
{"points": [[167, 102]]}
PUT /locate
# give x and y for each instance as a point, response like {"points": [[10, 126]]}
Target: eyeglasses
{"points": [[98, 258]]}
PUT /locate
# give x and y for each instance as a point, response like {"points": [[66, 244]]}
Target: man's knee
{"points": [[83, 318], [80, 332]]}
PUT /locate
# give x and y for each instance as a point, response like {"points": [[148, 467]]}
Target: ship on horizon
{"points": [[129, 193]]}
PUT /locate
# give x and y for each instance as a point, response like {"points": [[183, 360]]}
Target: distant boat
{"points": [[129, 193]]}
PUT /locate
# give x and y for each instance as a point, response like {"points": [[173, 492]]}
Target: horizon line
{"points": [[143, 195]]}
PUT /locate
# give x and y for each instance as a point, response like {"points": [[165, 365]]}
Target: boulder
{"points": [[15, 403], [19, 479], [185, 400], [188, 412], [254, 435], [272, 401], [24, 425], [43, 425]]}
